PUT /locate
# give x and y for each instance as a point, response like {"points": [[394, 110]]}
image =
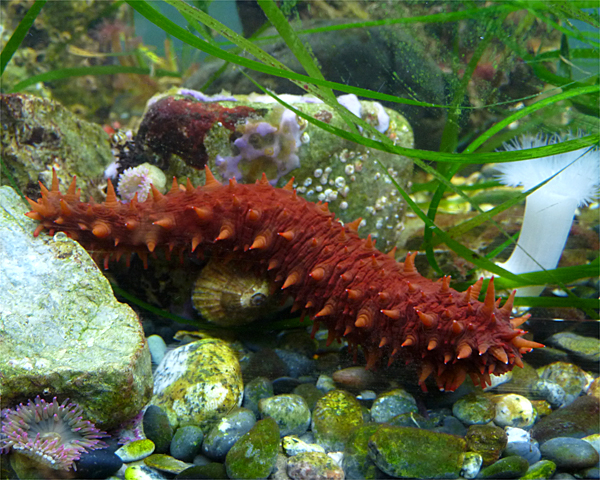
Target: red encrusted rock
{"points": [[178, 126], [336, 277]]}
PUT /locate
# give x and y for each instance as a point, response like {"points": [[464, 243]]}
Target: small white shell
{"points": [[229, 295]]}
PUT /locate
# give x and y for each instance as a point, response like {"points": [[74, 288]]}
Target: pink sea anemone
{"points": [[52, 434]]}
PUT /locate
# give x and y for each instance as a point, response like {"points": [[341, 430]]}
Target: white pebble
{"points": [[513, 411]]}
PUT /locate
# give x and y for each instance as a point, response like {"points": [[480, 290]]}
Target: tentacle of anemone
{"points": [[338, 278]]}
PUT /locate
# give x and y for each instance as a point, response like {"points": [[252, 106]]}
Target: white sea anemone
{"points": [[549, 211]]}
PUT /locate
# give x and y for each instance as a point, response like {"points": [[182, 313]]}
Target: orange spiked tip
{"points": [[464, 351], [433, 343], [499, 353], [111, 196], [174, 187], [428, 320], [364, 319], [353, 294], [348, 330], [232, 183], [225, 232], [204, 213], [64, 208], [317, 274], [165, 222], [476, 288], [426, 370], [409, 263], [383, 342], [189, 188], [253, 215], [151, 245], [263, 180], [522, 343], [292, 279], [211, 181], [392, 253], [369, 243], [54, 181], [410, 340], [457, 327], [101, 230], [518, 321], [260, 242], [445, 284], [354, 224], [288, 235], [273, 263], [393, 314], [156, 195], [468, 295], [72, 191], [490, 299], [326, 310], [508, 305], [289, 186]]}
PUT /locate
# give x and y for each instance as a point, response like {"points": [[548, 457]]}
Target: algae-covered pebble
{"points": [[415, 453], [197, 383], [540, 470], [142, 472], [166, 463], [226, 432], [186, 443], [292, 445], [508, 467], [334, 416], [136, 450], [487, 440], [315, 465], [290, 411], [474, 409], [392, 403], [255, 390], [255, 453], [357, 463]]}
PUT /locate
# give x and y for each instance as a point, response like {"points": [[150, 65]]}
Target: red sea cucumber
{"points": [[341, 280]]}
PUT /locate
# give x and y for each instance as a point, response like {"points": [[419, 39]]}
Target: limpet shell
{"points": [[227, 294]]}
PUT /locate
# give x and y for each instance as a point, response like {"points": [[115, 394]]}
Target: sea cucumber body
{"points": [[339, 279]]}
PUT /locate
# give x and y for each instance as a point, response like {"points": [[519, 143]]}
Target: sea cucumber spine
{"points": [[339, 279]]}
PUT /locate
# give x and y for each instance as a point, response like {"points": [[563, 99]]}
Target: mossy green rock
{"points": [[357, 463], [198, 383], [317, 465], [473, 409], [210, 471], [407, 452], [540, 470], [166, 463], [392, 403], [38, 133], [62, 331], [255, 453], [290, 411], [487, 440], [334, 417], [509, 467], [157, 428]]}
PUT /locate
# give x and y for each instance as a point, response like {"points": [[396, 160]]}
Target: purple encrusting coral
{"points": [[53, 434]]}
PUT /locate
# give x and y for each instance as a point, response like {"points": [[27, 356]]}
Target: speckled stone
{"points": [[290, 411], [226, 432], [579, 419], [594, 389], [473, 409], [334, 416], [142, 472], [487, 440], [136, 450], [61, 327], [472, 462], [508, 467], [520, 443], [255, 453], [198, 383], [357, 463], [570, 453], [313, 466], [541, 470], [415, 453], [186, 443], [551, 392], [513, 411], [292, 445], [573, 380], [412, 419], [166, 463], [255, 390], [157, 428], [392, 403]]}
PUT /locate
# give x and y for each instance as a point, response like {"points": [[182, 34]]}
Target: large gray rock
{"points": [[62, 333]]}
